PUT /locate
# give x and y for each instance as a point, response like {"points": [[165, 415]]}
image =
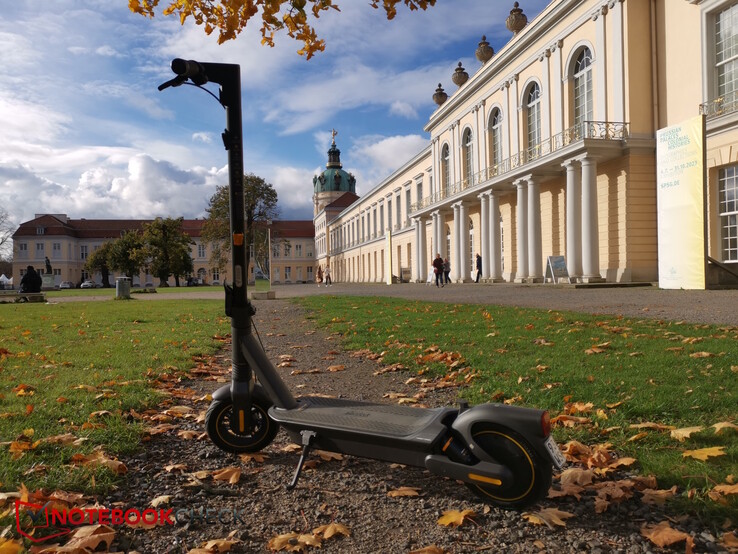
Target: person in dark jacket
{"points": [[438, 269], [479, 267], [447, 270], [31, 281]]}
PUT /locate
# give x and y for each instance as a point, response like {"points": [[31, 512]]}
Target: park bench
{"points": [[15, 296]]}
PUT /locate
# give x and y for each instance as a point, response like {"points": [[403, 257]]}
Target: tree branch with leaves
{"points": [[296, 17]]}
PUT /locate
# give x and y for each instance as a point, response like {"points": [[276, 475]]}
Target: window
{"points": [[287, 250], [583, 110], [726, 53], [216, 275], [381, 219], [533, 115], [408, 202], [298, 250], [468, 151], [445, 168], [200, 250], [728, 206], [23, 251], [419, 192], [389, 214], [83, 252], [56, 250], [495, 139], [398, 212], [40, 251], [40, 230], [309, 250], [275, 250]]}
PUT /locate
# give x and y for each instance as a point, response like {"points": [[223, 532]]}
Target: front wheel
{"points": [[218, 426], [531, 474]]}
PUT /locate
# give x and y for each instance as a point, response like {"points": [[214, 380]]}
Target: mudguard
{"points": [[224, 392], [524, 421]]}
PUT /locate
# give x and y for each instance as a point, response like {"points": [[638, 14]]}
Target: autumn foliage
{"points": [[296, 17]]}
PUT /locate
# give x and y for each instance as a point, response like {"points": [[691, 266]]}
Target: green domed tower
{"points": [[334, 182]]}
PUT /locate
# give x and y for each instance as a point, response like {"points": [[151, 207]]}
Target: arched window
{"points": [[445, 168], [495, 139], [468, 156], [533, 115], [583, 104]]}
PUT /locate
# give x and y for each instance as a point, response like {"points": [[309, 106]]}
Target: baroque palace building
{"points": [[549, 149]]}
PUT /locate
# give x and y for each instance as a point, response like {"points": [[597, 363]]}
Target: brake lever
{"points": [[177, 81]]}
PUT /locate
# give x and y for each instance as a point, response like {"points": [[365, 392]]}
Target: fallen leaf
{"points": [[684, 433], [662, 535], [577, 476], [230, 474], [403, 491], [726, 489], [331, 530], [328, 456], [704, 453], [257, 457], [432, 549], [161, 500], [653, 426], [720, 427], [455, 518], [89, 538], [335, 368], [658, 497], [548, 517]]}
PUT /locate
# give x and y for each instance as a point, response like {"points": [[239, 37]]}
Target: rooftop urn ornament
{"points": [[460, 76], [484, 51], [440, 96], [516, 20]]}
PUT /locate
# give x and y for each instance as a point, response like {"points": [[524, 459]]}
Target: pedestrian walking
{"points": [[327, 275], [319, 276], [479, 267], [447, 271], [438, 269]]}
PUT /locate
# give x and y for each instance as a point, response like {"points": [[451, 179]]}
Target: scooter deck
{"points": [[353, 415]]}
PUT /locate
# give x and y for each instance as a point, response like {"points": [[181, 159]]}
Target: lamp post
{"points": [[269, 251]]}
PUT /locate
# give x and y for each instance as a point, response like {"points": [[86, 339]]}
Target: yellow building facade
{"points": [[548, 149]]}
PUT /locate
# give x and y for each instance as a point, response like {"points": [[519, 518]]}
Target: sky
{"points": [[85, 132]]}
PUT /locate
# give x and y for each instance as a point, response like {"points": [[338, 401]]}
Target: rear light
{"points": [[546, 424]]}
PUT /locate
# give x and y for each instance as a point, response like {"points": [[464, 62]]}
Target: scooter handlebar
{"points": [[186, 69]]}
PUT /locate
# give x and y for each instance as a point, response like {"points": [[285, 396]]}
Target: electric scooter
{"points": [[504, 454]]}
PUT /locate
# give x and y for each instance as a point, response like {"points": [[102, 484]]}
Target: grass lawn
{"points": [[63, 364], [614, 372]]}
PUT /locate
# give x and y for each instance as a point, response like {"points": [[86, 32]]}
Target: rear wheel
{"points": [[531, 474], [263, 428]]}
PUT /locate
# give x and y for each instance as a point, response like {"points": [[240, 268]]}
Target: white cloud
{"points": [[207, 138]]}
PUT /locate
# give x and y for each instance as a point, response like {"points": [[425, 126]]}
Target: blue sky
{"points": [[85, 131]]}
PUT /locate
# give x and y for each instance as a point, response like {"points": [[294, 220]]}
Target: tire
{"points": [[531, 474], [218, 426]]}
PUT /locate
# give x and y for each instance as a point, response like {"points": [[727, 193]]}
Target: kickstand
{"points": [[307, 440]]}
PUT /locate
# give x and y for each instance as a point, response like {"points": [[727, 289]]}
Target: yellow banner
{"points": [[680, 186]]}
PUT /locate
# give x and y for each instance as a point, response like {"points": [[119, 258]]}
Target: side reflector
{"points": [[241, 422], [483, 479], [546, 424], [238, 239]]}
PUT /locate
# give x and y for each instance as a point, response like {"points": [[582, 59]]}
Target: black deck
{"points": [[355, 416]]}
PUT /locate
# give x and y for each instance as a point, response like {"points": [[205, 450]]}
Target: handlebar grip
{"points": [[190, 69]]}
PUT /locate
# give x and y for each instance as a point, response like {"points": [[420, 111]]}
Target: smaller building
{"points": [[66, 243]]}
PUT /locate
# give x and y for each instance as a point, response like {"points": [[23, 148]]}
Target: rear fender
{"points": [[524, 421]]}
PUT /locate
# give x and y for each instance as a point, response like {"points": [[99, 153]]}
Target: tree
{"points": [[128, 254], [6, 230], [260, 206], [99, 260], [168, 249], [229, 17]]}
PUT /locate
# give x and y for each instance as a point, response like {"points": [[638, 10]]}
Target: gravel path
{"points": [[351, 492]]}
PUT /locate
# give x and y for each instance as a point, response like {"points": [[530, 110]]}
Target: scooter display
{"points": [[504, 454]]}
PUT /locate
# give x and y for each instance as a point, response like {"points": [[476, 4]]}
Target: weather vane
{"points": [[333, 135]]}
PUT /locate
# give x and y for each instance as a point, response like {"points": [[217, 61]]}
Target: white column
{"points": [[513, 116], [535, 261], [521, 234], [420, 261], [482, 138], [484, 252], [601, 64], [434, 233], [546, 97], [456, 269], [573, 220], [507, 121], [618, 60], [495, 250], [590, 227], [464, 253], [557, 88]]}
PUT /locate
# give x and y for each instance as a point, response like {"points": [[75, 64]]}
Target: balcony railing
{"points": [[596, 130], [720, 106]]}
